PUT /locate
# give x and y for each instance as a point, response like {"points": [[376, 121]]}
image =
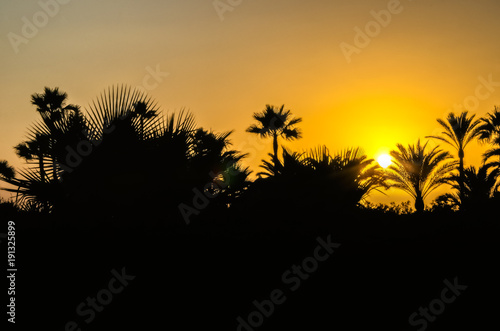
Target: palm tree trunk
{"points": [[42, 170], [462, 176], [54, 168], [275, 149], [142, 128], [419, 203]]}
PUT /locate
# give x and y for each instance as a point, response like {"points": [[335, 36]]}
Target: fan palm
{"points": [[419, 172], [6, 171], [57, 117], [38, 149], [458, 132], [343, 179], [276, 122], [142, 112], [144, 163], [352, 170]]}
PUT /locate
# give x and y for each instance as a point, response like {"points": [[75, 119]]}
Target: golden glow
{"points": [[392, 91], [384, 160]]}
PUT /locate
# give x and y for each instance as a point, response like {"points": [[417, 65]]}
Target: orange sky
{"points": [[427, 57]]}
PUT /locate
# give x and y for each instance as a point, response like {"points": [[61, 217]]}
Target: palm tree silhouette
{"points": [[489, 131], [142, 112], [480, 186], [276, 122], [355, 174], [51, 105], [419, 172], [343, 179], [140, 164], [458, 132], [6, 171], [37, 149]]}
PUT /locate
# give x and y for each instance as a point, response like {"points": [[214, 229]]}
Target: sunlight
{"points": [[384, 160]]}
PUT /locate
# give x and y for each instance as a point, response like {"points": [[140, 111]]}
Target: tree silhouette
{"points": [[56, 115], [142, 112], [276, 122], [489, 131], [317, 177], [142, 162], [480, 185], [38, 185], [6, 171], [36, 149], [354, 172], [458, 132], [418, 172]]}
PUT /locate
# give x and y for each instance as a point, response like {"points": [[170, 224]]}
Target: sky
{"points": [[367, 73]]}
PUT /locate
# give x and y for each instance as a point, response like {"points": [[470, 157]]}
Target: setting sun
{"points": [[384, 160]]}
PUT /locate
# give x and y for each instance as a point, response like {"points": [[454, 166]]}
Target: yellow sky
{"points": [[412, 67]]}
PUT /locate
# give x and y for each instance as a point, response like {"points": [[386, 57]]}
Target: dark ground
{"points": [[204, 275]]}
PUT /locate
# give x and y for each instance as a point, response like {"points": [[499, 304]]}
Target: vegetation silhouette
{"points": [[110, 186], [342, 179], [276, 122], [458, 132], [122, 157], [480, 186], [419, 172], [489, 132]]}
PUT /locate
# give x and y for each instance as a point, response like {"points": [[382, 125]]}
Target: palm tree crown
{"points": [[489, 131], [419, 172], [458, 132], [274, 122]]}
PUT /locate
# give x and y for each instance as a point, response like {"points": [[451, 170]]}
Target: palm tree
{"points": [[343, 179], [480, 186], [38, 149], [419, 172], [292, 165], [353, 172], [57, 118], [458, 132], [276, 122], [6, 171], [140, 167], [141, 111], [489, 131]]}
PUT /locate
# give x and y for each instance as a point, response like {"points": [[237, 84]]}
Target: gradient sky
{"points": [[424, 63]]}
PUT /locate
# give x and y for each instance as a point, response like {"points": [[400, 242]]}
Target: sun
{"points": [[384, 160]]}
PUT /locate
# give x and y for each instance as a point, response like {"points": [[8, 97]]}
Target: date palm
{"points": [[276, 122], [489, 131], [418, 172], [480, 186], [458, 132]]}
